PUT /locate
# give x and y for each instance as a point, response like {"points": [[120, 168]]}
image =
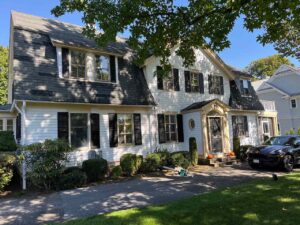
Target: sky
{"points": [[243, 50]]}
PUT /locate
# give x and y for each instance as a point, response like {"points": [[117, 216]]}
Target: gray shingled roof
{"points": [[36, 73], [5, 107], [238, 72], [237, 101], [197, 105]]}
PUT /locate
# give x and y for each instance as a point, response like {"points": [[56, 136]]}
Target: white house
{"points": [[283, 88], [62, 85]]}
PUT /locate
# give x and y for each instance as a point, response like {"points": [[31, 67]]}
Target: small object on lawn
{"points": [[275, 177], [178, 171], [182, 173]]}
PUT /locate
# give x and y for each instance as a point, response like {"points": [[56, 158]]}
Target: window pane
{"points": [[79, 130], [77, 64], [173, 137], [125, 125], [103, 67], [1, 125], [10, 125]]}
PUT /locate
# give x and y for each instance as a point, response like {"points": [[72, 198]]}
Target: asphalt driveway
{"points": [[82, 202]]}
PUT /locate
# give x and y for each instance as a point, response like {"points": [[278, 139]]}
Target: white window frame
{"points": [[169, 124], [70, 65], [169, 80], [88, 129], [194, 74], [291, 104], [124, 134], [97, 68], [4, 124]]}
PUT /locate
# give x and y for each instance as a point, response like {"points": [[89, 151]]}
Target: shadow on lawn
{"points": [[263, 202]]}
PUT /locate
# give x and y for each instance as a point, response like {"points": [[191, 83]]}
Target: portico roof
{"points": [[200, 105]]}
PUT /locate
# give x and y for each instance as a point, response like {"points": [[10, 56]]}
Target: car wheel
{"points": [[253, 165], [288, 163]]}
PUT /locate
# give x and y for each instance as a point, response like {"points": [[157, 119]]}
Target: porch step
{"points": [[218, 162]]}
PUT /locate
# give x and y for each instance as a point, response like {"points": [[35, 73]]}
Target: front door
{"points": [[215, 134]]}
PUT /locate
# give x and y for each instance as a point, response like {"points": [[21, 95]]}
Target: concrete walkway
{"points": [[105, 198]]}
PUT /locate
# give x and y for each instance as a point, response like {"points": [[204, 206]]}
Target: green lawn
{"points": [[259, 202]]}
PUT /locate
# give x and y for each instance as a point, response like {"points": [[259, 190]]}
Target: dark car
{"points": [[279, 151]]}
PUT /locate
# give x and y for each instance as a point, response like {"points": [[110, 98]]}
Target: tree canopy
{"points": [[3, 74], [265, 67], [160, 25]]}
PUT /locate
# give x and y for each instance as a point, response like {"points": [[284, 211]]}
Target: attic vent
{"points": [[41, 93]]}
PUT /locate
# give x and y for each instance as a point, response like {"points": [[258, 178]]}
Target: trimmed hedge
{"points": [[95, 169], [236, 146], [180, 158], [7, 141], [131, 163], [116, 172], [151, 163], [72, 177], [193, 151]]}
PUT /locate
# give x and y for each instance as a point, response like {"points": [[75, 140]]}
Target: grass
{"points": [[259, 202]]}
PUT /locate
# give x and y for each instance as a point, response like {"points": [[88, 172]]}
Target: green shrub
{"points": [[180, 158], [236, 146], [7, 161], [72, 178], [151, 163], [193, 151], [71, 169], [130, 163], [7, 141], [165, 157], [95, 169], [47, 163], [116, 172]]}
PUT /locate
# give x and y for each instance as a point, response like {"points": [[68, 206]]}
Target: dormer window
{"points": [[77, 64], [245, 87], [102, 68]]}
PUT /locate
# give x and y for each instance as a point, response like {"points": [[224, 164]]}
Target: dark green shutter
{"points": [[221, 85], [246, 130], [160, 84], [161, 128], [112, 61], [201, 83], [113, 130], [234, 127], [63, 125], [137, 129], [187, 78], [95, 130], [180, 132], [210, 84], [65, 62], [176, 79], [19, 128]]}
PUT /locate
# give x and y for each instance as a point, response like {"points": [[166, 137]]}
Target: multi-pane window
{"points": [[216, 85], [245, 87], [125, 129], [171, 128], [240, 126], [1, 125], [169, 82], [9, 125], [79, 130], [194, 82], [293, 103], [102, 68], [77, 64]]}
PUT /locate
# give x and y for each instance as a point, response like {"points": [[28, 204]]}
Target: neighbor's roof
{"points": [[36, 74]]}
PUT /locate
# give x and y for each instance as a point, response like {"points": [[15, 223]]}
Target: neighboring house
{"points": [[283, 88], [62, 85]]}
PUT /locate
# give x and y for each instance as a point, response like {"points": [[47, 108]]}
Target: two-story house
{"points": [[283, 88], [62, 85]]}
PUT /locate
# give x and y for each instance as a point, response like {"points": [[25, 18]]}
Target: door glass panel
{"points": [[215, 134]]}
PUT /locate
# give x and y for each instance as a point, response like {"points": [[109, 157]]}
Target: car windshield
{"points": [[279, 141]]}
